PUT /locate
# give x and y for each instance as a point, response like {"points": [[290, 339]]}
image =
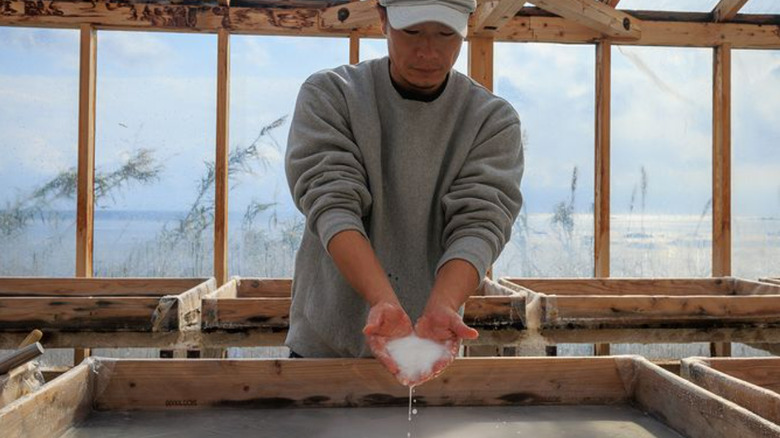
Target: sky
{"points": [[157, 91]]}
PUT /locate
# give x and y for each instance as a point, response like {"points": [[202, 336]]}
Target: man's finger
{"points": [[463, 331]]}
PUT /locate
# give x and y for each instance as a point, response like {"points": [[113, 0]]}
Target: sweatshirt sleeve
{"points": [[324, 166], [484, 200]]}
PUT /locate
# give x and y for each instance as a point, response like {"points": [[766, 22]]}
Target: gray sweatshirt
{"points": [[424, 182]]}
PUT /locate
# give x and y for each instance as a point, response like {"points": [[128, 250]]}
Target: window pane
{"points": [[661, 195], [39, 73], [266, 74], [669, 5], [761, 7], [756, 163], [155, 143], [552, 88]]}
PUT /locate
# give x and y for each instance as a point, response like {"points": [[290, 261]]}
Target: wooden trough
{"points": [[753, 383], [101, 312], [255, 312], [546, 396], [771, 280], [651, 310]]}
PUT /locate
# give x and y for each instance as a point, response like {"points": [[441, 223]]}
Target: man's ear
{"points": [[382, 18]]}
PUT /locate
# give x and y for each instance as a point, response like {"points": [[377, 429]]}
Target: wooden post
{"points": [[480, 60], [354, 48], [721, 172], [480, 68], [85, 198], [602, 172], [222, 152], [85, 206]]}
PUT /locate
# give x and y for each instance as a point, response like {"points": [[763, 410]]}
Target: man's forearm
{"points": [[357, 262], [455, 282]]}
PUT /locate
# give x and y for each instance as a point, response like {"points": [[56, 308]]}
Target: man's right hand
{"points": [[386, 321]]}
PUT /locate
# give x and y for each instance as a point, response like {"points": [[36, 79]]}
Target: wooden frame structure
{"points": [[131, 385], [102, 312], [651, 310], [560, 21], [255, 311], [753, 383]]}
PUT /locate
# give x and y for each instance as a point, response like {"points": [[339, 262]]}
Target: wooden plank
{"points": [[53, 409], [749, 287], [721, 171], [357, 382], [601, 214], [85, 201], [625, 286], [77, 313], [487, 312], [480, 61], [770, 280], [264, 287], [221, 186], [86, 287], [602, 18], [638, 335], [228, 290], [492, 15], [654, 33], [306, 22], [350, 16], [354, 48], [759, 371], [732, 380], [601, 219], [691, 410], [183, 311], [725, 10], [663, 312]]}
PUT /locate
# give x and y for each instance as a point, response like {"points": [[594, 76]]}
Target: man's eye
{"points": [[411, 32], [447, 34]]}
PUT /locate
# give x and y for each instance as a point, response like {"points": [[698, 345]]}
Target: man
{"points": [[408, 174]]}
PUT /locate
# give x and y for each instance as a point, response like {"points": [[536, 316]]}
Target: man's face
{"points": [[421, 55]]}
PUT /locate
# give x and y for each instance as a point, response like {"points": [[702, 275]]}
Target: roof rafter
{"points": [[598, 16], [725, 10], [491, 15], [350, 16]]}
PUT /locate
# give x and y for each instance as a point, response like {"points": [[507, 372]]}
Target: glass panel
{"points": [[661, 162], [669, 5], [155, 142], [761, 7], [39, 86], [755, 164], [265, 227], [552, 88]]}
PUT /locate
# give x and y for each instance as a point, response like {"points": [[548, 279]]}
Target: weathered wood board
{"points": [[109, 385], [753, 383], [666, 310], [77, 312]]}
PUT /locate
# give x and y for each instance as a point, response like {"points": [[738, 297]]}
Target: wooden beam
{"points": [[527, 27], [602, 18], [637, 286], [490, 16], [654, 33], [612, 3], [721, 171], [221, 185], [354, 48], [601, 219], [85, 202], [78, 313], [89, 287], [480, 60], [725, 10], [350, 16]]}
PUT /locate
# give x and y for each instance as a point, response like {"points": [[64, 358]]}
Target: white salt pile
{"points": [[415, 356]]}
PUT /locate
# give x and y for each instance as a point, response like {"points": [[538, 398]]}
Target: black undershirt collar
{"points": [[413, 95]]}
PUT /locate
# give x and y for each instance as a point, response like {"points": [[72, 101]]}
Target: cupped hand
{"points": [[445, 326], [386, 321]]}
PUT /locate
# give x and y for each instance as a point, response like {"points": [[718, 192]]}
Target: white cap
{"points": [[451, 13]]}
